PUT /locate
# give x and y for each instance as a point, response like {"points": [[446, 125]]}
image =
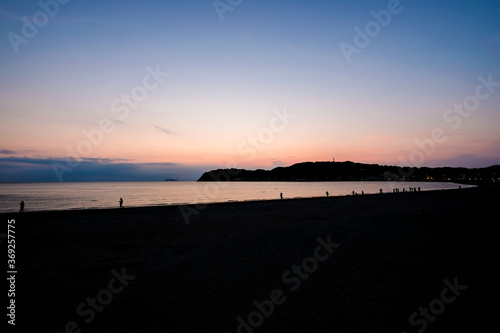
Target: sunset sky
{"points": [[148, 90]]}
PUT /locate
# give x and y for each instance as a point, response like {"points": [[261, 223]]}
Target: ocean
{"points": [[64, 196]]}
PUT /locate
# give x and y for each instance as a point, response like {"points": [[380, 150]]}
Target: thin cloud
{"points": [[16, 152], [50, 160], [117, 121], [161, 129], [465, 161], [58, 19], [278, 163], [25, 169]]}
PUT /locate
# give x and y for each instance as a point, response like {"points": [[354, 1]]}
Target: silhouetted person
{"points": [[380, 191], [21, 209], [362, 192], [121, 203], [281, 195], [419, 188], [327, 194]]}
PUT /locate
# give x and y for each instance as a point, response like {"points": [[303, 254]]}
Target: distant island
{"points": [[351, 171], [171, 180]]}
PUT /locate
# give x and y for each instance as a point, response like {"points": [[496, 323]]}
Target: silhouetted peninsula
{"points": [[350, 171]]}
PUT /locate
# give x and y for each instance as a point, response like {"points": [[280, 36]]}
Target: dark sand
{"points": [[200, 277]]}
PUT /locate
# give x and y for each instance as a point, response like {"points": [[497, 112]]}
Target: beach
{"points": [[405, 262]]}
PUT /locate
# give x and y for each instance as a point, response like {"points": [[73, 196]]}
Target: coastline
{"points": [[204, 275], [29, 211]]}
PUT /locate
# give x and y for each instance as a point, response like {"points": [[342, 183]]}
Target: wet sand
{"points": [[149, 271]]}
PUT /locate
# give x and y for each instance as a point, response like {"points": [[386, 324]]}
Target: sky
{"points": [[148, 90]]}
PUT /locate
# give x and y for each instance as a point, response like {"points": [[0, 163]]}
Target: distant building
{"points": [[391, 176]]}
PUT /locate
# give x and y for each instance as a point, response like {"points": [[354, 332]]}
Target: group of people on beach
{"points": [[356, 193], [21, 205], [395, 190], [412, 189], [328, 193]]}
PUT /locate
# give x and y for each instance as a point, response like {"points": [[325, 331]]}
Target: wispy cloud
{"points": [[466, 161], [161, 129], [278, 163], [16, 152], [57, 19], [50, 160], [26, 169]]}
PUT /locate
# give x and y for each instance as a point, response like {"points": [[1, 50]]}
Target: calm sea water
{"points": [[61, 196]]}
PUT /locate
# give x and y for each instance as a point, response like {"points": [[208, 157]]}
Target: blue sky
{"points": [[222, 81]]}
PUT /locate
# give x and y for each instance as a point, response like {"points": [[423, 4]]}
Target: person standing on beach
{"points": [[21, 209], [327, 194], [281, 195], [121, 203]]}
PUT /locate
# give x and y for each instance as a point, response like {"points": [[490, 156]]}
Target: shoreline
{"points": [[395, 252], [331, 197]]}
